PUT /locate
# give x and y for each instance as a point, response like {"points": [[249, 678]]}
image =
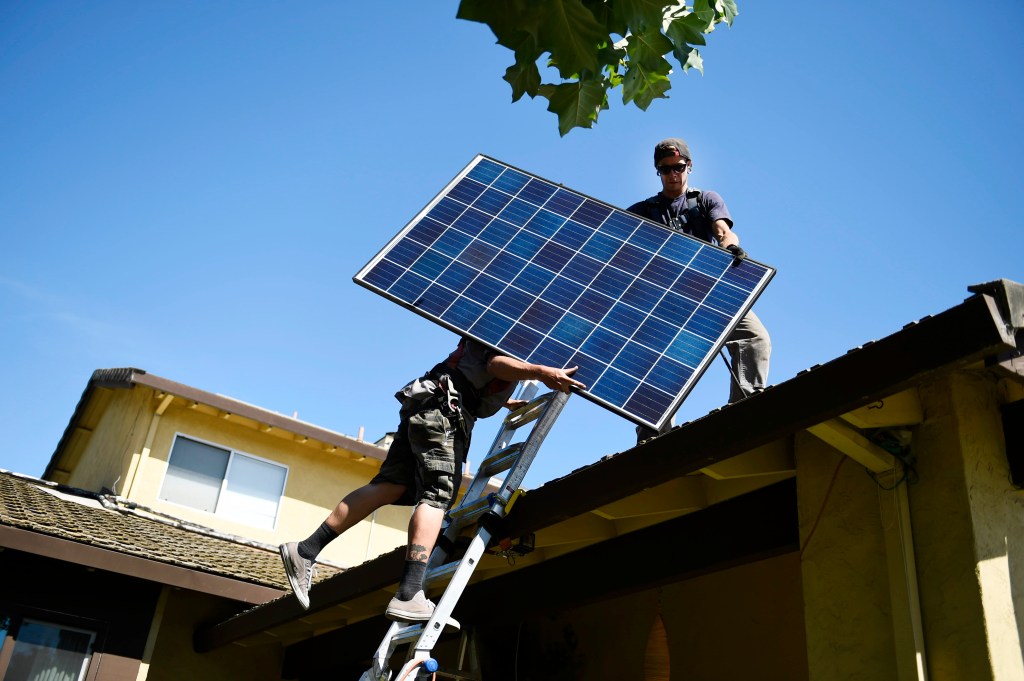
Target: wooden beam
{"points": [[850, 442], [900, 409], [99, 558], [359, 581], [775, 457]]}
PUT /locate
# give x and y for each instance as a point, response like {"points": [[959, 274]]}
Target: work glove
{"points": [[738, 254]]}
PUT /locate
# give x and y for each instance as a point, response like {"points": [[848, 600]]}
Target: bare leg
{"points": [[360, 503], [424, 526], [410, 603]]}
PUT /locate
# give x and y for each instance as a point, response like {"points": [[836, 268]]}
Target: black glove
{"points": [[738, 254]]}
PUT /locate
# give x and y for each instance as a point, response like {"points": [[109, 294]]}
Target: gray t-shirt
{"points": [[471, 358], [482, 394]]}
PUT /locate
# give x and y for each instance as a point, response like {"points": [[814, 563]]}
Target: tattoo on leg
{"points": [[418, 552]]}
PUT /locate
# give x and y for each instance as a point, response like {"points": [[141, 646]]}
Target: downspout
{"points": [[903, 588]]}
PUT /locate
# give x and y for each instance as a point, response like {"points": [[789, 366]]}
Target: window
{"points": [[43, 651], [225, 482]]}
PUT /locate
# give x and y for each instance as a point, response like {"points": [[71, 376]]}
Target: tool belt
{"points": [[450, 400], [440, 389]]}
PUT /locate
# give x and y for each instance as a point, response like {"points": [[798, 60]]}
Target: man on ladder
{"points": [[424, 463]]}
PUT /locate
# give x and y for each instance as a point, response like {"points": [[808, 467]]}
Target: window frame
{"points": [[232, 453], [18, 616]]}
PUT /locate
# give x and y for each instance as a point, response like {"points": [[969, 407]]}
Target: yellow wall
{"points": [[115, 456], [742, 623], [173, 658], [845, 578], [966, 522], [316, 480], [968, 526], [119, 434]]}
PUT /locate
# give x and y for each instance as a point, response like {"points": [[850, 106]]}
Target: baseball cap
{"points": [[673, 146]]}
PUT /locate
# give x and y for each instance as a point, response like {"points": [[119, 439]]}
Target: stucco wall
{"points": [[316, 480], [173, 658], [741, 623], [968, 527], [845, 576], [118, 435]]}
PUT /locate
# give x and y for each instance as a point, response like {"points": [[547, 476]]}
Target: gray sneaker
{"points": [[417, 609], [299, 571]]}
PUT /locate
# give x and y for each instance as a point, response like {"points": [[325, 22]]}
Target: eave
{"points": [[166, 391]]}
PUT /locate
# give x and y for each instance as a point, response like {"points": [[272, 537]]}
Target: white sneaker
{"points": [[299, 572], [419, 608]]}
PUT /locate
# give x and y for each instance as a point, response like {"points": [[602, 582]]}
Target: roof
{"points": [[986, 328], [106, 532], [126, 378]]}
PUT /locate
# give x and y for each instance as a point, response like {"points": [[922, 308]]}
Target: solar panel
{"points": [[550, 276]]}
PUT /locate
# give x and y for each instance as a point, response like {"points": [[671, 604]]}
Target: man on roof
{"points": [[704, 215]]}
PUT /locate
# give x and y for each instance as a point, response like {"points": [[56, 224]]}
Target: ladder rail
{"points": [[529, 451], [537, 408]]}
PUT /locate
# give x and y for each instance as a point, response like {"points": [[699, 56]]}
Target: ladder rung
{"points": [[407, 634], [469, 512], [500, 461], [520, 417], [441, 573]]}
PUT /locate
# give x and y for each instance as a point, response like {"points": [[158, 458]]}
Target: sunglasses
{"points": [[677, 168]]}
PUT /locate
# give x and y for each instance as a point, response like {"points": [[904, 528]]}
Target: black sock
{"points": [[311, 547], [412, 579]]}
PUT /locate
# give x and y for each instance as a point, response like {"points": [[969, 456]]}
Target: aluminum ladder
{"points": [[477, 507]]}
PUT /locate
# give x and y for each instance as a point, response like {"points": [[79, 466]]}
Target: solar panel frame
{"points": [[538, 271]]}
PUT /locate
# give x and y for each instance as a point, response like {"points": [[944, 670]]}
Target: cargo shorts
{"points": [[426, 456]]}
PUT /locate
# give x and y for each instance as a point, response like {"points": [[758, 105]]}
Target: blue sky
{"points": [[188, 188]]}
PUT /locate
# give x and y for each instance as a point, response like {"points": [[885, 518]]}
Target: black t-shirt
{"points": [[710, 206]]}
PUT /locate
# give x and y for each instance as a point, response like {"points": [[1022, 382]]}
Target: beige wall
{"points": [[316, 480], [119, 434], [968, 527], [741, 623], [128, 450], [966, 524], [173, 658], [848, 612]]}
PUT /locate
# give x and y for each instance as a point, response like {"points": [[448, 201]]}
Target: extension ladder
{"points": [[476, 507]]}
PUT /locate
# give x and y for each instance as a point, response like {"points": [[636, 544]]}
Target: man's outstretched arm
{"points": [[511, 369]]}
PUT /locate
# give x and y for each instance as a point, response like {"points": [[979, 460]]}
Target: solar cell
{"points": [[548, 275]]}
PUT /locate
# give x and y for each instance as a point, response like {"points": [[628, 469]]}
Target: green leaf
{"points": [[725, 10], [604, 13], [577, 104], [515, 23], [690, 58], [576, 36], [640, 15], [524, 79], [647, 48], [691, 28], [642, 86], [572, 36], [732, 10]]}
